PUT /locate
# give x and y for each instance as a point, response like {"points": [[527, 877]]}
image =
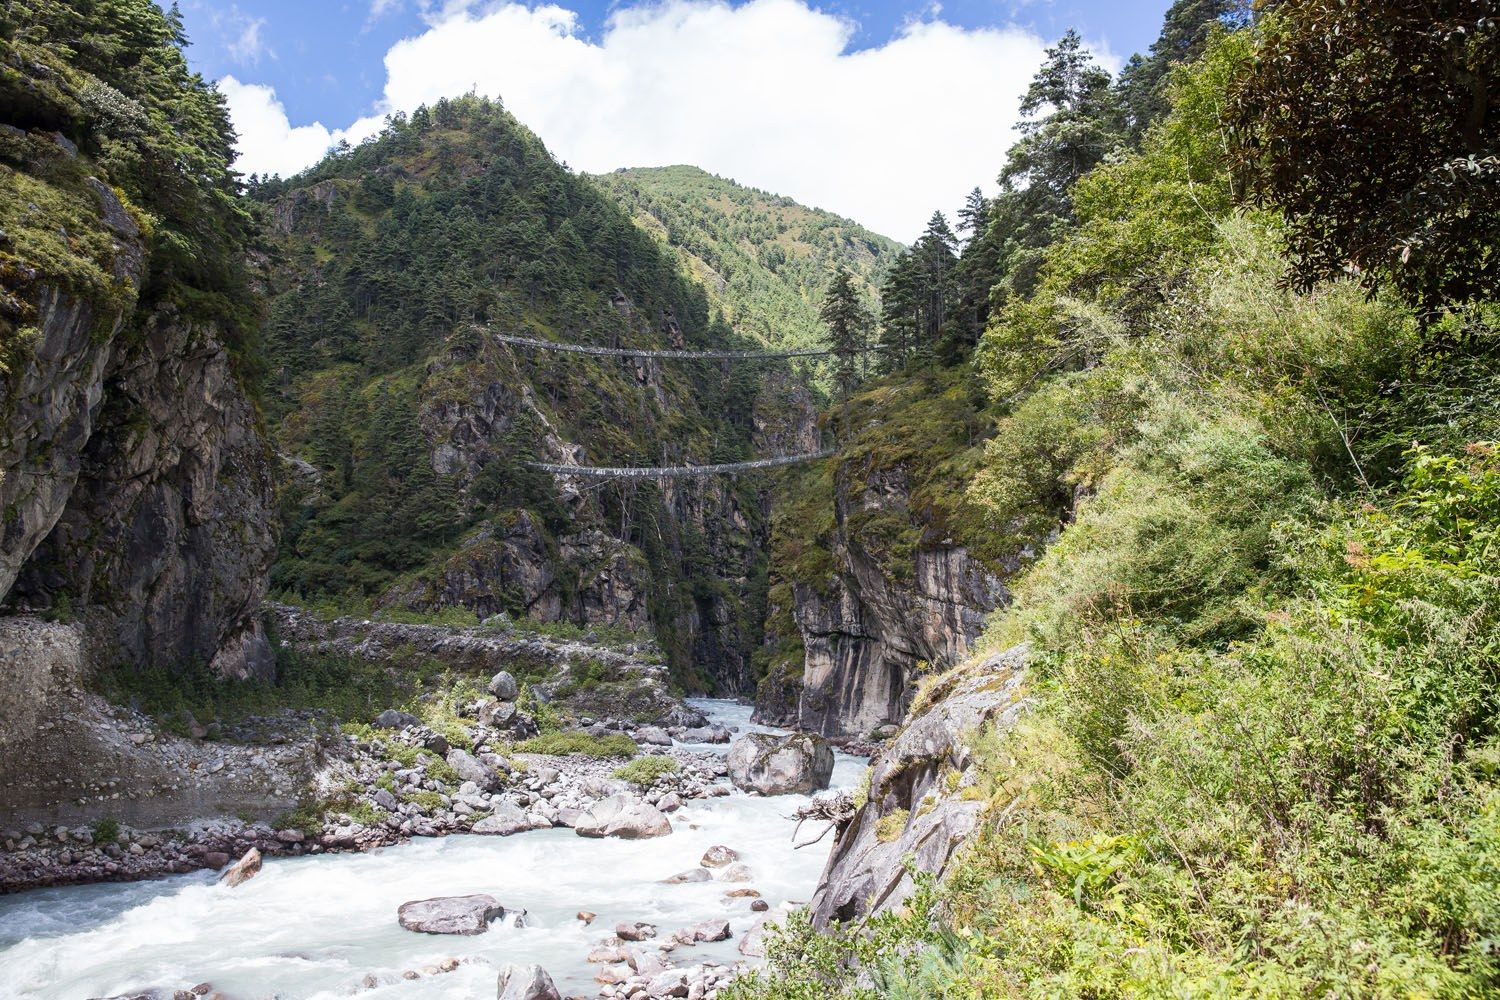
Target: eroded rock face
{"points": [[623, 816], [872, 629], [919, 777], [799, 763], [450, 914]]}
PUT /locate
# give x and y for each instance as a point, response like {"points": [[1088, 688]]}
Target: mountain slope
{"points": [[764, 259], [411, 428]]}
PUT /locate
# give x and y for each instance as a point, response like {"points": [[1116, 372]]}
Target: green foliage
{"points": [[1371, 126], [106, 831], [347, 688], [560, 744], [764, 260], [646, 771], [110, 77], [1263, 753]]}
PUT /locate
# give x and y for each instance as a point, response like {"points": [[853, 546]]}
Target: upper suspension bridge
{"points": [[666, 471]]}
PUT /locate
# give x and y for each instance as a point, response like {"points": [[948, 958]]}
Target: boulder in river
{"points": [[623, 816], [450, 914], [712, 930], [766, 764], [635, 932], [718, 856], [691, 875], [243, 870], [525, 982]]}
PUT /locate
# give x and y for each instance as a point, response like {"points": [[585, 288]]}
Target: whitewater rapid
{"points": [[314, 927]]}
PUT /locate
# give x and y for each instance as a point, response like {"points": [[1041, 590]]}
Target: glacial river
{"points": [[315, 927]]}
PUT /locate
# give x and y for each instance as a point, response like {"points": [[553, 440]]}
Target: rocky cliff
{"points": [[138, 507], [876, 585]]}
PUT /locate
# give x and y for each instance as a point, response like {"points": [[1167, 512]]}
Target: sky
{"points": [[879, 110]]}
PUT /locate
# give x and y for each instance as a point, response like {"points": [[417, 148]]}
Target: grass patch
{"points": [[555, 744], [646, 771]]}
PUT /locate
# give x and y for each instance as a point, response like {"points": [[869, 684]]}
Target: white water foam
{"points": [[314, 927]]}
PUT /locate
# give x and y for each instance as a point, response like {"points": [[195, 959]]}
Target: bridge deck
{"points": [[675, 471]]}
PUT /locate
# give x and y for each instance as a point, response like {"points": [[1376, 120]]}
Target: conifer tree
{"points": [[1071, 121], [848, 330], [1185, 31]]}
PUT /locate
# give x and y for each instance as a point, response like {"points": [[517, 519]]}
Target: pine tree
{"points": [[1185, 30], [974, 217], [848, 330], [1071, 122]]}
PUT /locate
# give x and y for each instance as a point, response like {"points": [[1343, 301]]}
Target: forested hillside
{"points": [[407, 428], [1237, 401], [763, 259]]}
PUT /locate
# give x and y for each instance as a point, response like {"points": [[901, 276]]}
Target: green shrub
{"points": [[106, 831], [645, 771], [559, 744]]}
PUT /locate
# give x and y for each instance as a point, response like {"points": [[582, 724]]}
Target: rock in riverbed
{"points": [[766, 764], [623, 816], [525, 982], [450, 914], [244, 869], [506, 819], [718, 856]]}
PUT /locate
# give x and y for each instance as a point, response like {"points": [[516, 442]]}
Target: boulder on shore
{"points": [[766, 764], [450, 914], [503, 686], [506, 819], [525, 982], [394, 719], [623, 816], [470, 768]]}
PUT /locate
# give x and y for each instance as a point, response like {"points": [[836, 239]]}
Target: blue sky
{"points": [[795, 96], [325, 58]]}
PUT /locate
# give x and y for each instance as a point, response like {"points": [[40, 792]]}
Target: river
{"points": [[314, 927]]}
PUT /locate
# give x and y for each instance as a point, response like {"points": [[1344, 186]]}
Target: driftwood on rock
{"points": [[837, 810]]}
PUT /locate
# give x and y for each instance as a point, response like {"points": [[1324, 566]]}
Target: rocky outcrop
{"points": [[166, 538], [919, 802], [525, 982], [138, 507], [67, 756], [766, 764], [873, 627]]}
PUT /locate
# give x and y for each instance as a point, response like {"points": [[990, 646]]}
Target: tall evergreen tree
{"points": [[848, 330], [1185, 31], [1071, 121]]}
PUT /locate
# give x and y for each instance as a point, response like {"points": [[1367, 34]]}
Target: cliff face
{"points": [[136, 489], [877, 630], [881, 589], [164, 542]]}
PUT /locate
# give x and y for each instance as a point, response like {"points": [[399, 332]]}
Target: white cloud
{"points": [[249, 46], [267, 141], [766, 93]]}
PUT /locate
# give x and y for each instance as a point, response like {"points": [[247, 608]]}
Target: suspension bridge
{"points": [[665, 471]]}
